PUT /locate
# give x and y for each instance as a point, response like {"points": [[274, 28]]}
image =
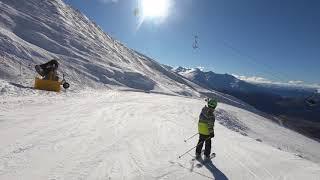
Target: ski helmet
{"points": [[212, 103]]}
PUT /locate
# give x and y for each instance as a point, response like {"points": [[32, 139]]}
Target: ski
{"points": [[212, 155], [203, 161]]}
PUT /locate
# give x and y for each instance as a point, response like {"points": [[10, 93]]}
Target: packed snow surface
{"points": [[110, 134], [101, 129]]}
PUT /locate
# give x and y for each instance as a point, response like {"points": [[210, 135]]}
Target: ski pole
{"points": [[191, 137], [187, 151], [192, 148]]}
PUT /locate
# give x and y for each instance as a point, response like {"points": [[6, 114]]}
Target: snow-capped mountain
{"points": [[213, 80], [35, 31], [227, 82]]}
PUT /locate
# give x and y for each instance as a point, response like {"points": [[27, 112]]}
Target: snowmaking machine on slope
{"points": [[48, 79]]}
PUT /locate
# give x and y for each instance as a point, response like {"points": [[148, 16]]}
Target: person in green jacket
{"points": [[206, 128]]}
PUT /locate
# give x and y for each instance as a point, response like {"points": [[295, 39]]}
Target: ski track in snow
{"points": [[130, 135]]}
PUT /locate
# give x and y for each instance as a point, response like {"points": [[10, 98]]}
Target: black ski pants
{"points": [[207, 140]]}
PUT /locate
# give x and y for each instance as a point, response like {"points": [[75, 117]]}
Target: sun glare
{"points": [[155, 8]]}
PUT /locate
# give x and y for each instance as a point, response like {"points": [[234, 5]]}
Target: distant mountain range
{"points": [[227, 82]]}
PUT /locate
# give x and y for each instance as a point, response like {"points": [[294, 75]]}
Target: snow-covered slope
{"points": [[112, 134], [131, 135], [35, 31]]}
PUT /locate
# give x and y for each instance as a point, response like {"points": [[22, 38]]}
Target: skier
{"points": [[205, 128], [48, 70]]}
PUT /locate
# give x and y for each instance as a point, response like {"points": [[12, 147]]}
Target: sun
{"points": [[155, 8], [152, 10]]}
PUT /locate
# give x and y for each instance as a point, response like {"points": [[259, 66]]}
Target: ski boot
{"points": [[198, 156]]}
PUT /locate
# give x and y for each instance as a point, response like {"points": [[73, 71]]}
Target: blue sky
{"points": [[276, 40]]}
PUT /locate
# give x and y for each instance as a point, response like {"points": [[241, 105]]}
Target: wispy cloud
{"points": [[262, 80], [201, 68], [254, 79], [295, 82]]}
